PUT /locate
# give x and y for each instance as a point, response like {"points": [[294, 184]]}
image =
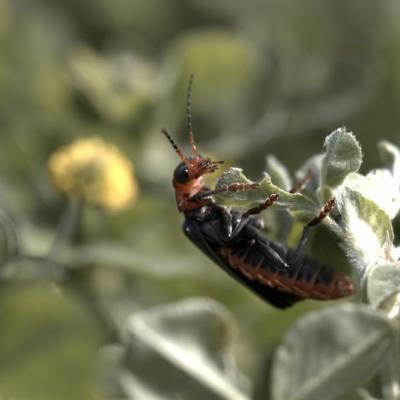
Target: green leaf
{"points": [[300, 205], [242, 198], [367, 228], [391, 307], [278, 172], [182, 350], [116, 382], [330, 352], [324, 193], [390, 155], [342, 156], [312, 168], [382, 282], [117, 255], [379, 186]]}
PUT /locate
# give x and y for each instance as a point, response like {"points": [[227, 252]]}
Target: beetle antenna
{"points": [[177, 149], [189, 115]]}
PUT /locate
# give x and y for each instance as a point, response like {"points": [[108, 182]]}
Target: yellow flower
{"points": [[95, 171]]}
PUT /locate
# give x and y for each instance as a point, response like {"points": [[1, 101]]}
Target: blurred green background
{"points": [[270, 77]]}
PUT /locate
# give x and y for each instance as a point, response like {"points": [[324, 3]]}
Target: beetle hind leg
{"points": [[267, 203], [300, 185], [329, 205]]}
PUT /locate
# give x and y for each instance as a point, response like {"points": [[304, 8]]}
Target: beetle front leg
{"points": [[233, 187]]}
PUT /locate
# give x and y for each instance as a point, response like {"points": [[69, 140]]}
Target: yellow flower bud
{"points": [[95, 171]]}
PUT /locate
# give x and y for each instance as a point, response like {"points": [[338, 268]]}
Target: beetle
{"points": [[279, 275]]}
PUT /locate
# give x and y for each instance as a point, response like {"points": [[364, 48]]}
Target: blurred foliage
{"points": [[47, 351], [270, 78]]}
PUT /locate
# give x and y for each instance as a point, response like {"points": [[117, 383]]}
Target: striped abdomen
{"points": [[305, 277]]}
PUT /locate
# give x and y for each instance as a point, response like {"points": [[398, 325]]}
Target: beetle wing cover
{"points": [[277, 298]]}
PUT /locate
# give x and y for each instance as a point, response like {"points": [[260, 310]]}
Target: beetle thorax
{"points": [[184, 191]]}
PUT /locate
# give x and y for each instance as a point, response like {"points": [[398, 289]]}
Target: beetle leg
{"points": [[226, 221], [231, 226], [233, 187], [300, 185], [267, 203], [258, 223], [315, 221]]}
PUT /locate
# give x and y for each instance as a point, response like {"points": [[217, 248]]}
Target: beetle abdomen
{"points": [[304, 277]]}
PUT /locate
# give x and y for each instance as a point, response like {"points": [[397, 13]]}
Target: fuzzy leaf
{"points": [[116, 255], [367, 228], [342, 156], [379, 186], [383, 282], [390, 155], [330, 352], [116, 382], [181, 350], [391, 308], [278, 172], [312, 168], [300, 205], [241, 199]]}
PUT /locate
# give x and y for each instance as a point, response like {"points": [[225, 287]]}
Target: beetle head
{"points": [[194, 166]]}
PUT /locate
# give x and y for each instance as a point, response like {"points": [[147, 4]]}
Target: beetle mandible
{"points": [[279, 275]]}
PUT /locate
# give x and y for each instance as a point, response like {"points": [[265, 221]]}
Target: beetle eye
{"points": [[181, 173]]}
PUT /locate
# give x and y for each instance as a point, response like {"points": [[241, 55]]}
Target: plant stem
{"points": [[8, 226], [69, 223]]}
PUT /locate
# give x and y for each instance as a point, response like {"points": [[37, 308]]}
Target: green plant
{"points": [[336, 350], [186, 349]]}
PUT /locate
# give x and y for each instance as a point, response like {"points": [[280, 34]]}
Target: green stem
{"points": [[8, 226], [67, 226]]}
